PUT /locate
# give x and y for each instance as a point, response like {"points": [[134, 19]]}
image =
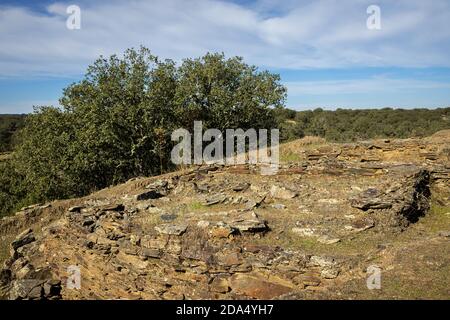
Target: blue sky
{"points": [[322, 49]]}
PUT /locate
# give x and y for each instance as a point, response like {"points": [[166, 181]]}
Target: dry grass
{"points": [[442, 136], [5, 156], [5, 247], [195, 206], [310, 140], [293, 151]]}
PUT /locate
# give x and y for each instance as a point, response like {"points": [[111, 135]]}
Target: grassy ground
{"points": [[418, 263], [415, 264]]}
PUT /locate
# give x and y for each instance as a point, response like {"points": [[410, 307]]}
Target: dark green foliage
{"points": [[9, 125], [12, 191], [116, 123], [226, 94], [351, 125]]}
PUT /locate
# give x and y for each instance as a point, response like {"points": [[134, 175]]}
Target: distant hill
{"points": [[9, 124], [217, 232], [339, 125], [351, 125]]}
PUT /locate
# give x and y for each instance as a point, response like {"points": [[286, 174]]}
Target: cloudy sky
{"points": [[326, 55]]}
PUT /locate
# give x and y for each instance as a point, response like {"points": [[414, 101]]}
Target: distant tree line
{"points": [[344, 125]]}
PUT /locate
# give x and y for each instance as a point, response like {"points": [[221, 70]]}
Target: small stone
{"points": [[255, 248], [18, 264], [329, 273], [150, 242], [5, 277], [244, 267], [329, 268], [168, 216], [22, 239], [445, 234], [158, 184], [329, 201], [282, 193], [257, 286], [247, 222], [151, 253], [115, 235], [153, 210], [76, 209], [219, 285], [171, 229], [33, 206], [35, 293], [142, 206], [170, 295], [370, 199], [241, 187], [279, 206], [52, 288], [216, 199], [201, 187], [304, 232], [308, 280], [221, 231], [89, 244], [238, 200], [203, 224], [327, 240], [362, 225], [322, 261], [135, 240], [24, 272], [231, 259], [251, 204]]}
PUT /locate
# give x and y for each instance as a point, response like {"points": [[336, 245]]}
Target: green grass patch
{"points": [[195, 206], [290, 157]]}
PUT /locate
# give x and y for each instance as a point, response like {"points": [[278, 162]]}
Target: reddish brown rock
{"points": [[256, 285], [219, 285]]}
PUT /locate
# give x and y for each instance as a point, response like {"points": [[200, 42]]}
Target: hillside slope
{"points": [[212, 232]]}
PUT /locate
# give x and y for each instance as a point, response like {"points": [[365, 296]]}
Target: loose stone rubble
{"points": [[215, 232]]}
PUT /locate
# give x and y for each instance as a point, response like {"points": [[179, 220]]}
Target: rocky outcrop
{"points": [[20, 279], [407, 200], [215, 232]]}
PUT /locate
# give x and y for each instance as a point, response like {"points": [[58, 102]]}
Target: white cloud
{"points": [[374, 92], [293, 34], [366, 86]]}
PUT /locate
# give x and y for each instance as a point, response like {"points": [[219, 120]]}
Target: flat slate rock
{"points": [[171, 229]]}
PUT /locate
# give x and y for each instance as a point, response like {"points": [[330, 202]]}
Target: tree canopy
{"points": [[116, 122]]}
